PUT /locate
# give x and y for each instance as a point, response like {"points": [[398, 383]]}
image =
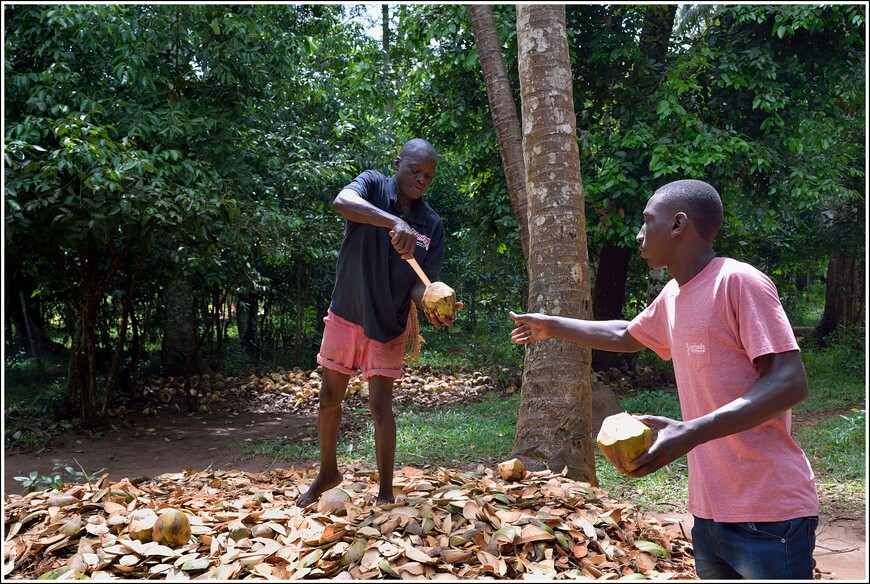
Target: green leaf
{"points": [[652, 548]]}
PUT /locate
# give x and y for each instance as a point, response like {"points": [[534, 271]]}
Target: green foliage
{"points": [[455, 435], [34, 397], [848, 433], [837, 449], [452, 435], [760, 101], [803, 307], [835, 375], [62, 474], [657, 403], [193, 140]]}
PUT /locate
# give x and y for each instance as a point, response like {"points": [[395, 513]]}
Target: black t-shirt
{"points": [[373, 283]]}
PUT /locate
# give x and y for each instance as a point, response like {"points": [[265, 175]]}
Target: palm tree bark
{"points": [[554, 427], [504, 114]]}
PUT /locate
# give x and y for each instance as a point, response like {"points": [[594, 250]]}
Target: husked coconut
{"points": [[439, 297], [141, 524], [622, 438], [512, 470]]}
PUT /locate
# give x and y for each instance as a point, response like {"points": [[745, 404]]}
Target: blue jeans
{"points": [[779, 550]]}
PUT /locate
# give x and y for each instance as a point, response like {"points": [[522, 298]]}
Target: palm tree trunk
{"points": [[504, 114], [554, 427]]}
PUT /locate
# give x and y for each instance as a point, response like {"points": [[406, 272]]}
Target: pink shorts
{"points": [[346, 349]]}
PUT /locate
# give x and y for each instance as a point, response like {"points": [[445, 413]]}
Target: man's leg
{"points": [[332, 390], [779, 550], [709, 564], [381, 406]]}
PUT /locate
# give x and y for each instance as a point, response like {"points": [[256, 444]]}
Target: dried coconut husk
{"points": [[445, 523], [415, 339]]}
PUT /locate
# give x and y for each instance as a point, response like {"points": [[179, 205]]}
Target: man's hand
{"points": [[530, 328], [404, 239], [437, 320], [673, 440]]}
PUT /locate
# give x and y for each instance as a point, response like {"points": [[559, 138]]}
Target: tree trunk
{"points": [[179, 325], [845, 282], [554, 427], [247, 309], [504, 114], [843, 306], [608, 299]]}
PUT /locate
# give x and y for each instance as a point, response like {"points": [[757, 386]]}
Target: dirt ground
{"points": [[175, 442]]}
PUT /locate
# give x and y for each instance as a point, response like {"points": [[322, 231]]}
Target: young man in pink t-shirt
{"points": [[739, 373]]}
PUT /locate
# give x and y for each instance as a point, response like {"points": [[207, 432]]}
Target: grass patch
{"points": [[656, 402], [448, 436], [836, 448], [836, 378], [664, 491]]}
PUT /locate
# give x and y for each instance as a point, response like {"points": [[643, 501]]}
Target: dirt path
{"points": [[166, 443], [175, 442]]}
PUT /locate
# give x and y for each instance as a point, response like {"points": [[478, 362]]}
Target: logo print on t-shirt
{"points": [[695, 348], [422, 240]]}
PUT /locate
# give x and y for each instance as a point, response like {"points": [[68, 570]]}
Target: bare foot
{"points": [[320, 485]]}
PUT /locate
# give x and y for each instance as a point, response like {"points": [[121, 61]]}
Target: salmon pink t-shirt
{"points": [[713, 328]]}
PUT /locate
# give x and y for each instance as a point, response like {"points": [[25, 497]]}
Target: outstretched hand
{"points": [[530, 328]]}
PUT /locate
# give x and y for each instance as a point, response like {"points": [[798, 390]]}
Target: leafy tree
{"points": [[448, 104], [756, 102], [94, 196], [188, 138]]}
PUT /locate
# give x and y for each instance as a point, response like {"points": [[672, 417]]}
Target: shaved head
{"points": [[417, 147], [699, 201]]}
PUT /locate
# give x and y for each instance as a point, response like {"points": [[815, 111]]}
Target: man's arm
{"points": [[604, 335], [353, 207], [782, 385]]}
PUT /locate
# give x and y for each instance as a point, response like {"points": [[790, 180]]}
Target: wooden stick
{"points": [[419, 271], [416, 266]]}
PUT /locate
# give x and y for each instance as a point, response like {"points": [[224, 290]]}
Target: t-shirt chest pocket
{"points": [[694, 347]]}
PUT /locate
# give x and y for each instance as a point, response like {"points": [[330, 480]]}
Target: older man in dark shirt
{"points": [[367, 323]]}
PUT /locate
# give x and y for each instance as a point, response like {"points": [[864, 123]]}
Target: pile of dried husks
{"points": [[444, 525], [295, 391]]}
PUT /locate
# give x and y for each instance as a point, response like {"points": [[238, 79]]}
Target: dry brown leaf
{"points": [[449, 524]]}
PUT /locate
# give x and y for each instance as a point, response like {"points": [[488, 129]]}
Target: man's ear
{"points": [[681, 222], [396, 162]]}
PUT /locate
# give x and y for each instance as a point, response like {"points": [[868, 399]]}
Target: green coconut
{"points": [[622, 438], [439, 297], [172, 528]]}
